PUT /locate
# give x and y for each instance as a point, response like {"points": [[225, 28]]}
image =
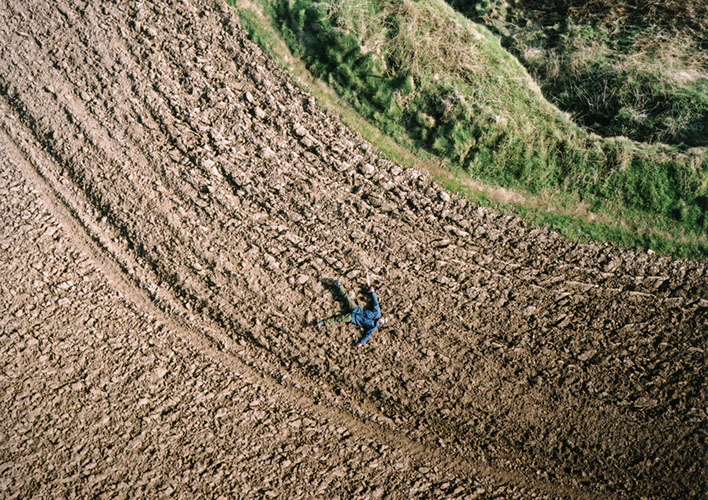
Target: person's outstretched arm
{"points": [[368, 335], [375, 301]]}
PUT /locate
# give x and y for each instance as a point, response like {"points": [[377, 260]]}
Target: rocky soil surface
{"points": [[173, 210]]}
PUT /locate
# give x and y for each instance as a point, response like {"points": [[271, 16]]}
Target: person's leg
{"points": [[339, 318], [350, 304]]}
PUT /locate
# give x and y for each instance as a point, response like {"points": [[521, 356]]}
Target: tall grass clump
{"points": [[620, 67]]}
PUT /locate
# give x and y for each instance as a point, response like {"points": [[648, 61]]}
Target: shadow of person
{"points": [[339, 294], [330, 284]]}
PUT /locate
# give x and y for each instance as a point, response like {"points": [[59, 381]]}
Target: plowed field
{"points": [[173, 211]]}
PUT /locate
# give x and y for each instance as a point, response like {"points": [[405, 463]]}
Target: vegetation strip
{"points": [[469, 105]]}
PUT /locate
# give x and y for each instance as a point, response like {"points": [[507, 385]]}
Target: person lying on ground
{"points": [[370, 319]]}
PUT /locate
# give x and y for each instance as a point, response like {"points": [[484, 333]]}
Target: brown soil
{"points": [[171, 210]]}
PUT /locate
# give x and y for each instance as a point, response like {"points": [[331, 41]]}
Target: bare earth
{"points": [[172, 212]]}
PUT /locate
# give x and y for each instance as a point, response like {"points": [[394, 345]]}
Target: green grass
{"points": [[430, 80], [257, 31]]}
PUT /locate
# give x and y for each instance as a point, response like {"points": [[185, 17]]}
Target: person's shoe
{"points": [[320, 323], [360, 344]]}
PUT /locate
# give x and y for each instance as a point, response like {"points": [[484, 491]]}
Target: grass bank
{"points": [[438, 89]]}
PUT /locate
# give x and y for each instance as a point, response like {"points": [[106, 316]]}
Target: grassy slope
{"points": [[431, 79]]}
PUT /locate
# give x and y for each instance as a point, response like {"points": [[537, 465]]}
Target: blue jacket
{"points": [[368, 319]]}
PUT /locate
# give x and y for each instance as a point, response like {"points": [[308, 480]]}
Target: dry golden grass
{"points": [[674, 14]]}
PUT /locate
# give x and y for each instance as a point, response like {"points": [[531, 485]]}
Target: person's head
{"points": [[383, 320]]}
